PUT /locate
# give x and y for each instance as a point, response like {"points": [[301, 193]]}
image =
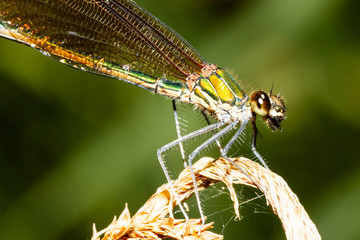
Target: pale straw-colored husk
{"points": [[154, 219]]}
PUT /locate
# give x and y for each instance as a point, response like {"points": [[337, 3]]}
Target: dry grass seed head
{"points": [[153, 220]]}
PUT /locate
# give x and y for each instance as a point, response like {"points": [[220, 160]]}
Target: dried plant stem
{"points": [[152, 221]]}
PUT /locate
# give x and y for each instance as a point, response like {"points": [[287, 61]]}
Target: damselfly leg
{"points": [[182, 139], [215, 137], [192, 156], [209, 123], [178, 132], [253, 144]]}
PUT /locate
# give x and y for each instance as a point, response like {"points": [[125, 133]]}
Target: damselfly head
{"points": [[270, 107], [276, 113]]}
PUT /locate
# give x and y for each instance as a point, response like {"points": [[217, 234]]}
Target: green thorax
{"points": [[216, 87]]}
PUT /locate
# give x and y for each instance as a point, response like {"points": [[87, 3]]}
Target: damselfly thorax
{"points": [[217, 93]]}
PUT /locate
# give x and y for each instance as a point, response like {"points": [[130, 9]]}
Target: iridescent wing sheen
{"points": [[88, 33]]}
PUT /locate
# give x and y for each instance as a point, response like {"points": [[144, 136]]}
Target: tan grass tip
{"points": [[154, 220]]}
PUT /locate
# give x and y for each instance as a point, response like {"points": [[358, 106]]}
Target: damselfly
{"points": [[119, 39]]}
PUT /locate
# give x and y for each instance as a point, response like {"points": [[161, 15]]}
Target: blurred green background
{"points": [[75, 147]]}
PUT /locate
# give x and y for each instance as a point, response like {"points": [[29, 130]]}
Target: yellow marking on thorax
{"points": [[222, 90]]}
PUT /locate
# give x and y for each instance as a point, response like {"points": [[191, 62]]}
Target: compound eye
{"points": [[260, 103]]}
